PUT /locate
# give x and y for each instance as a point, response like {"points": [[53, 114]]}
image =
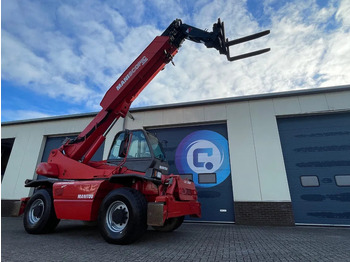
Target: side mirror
{"points": [[123, 149]]}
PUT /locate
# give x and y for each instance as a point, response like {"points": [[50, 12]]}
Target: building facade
{"points": [[273, 159]]}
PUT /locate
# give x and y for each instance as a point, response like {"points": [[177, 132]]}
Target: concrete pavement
{"points": [[75, 241]]}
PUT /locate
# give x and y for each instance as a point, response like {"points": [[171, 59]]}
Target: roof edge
{"points": [[319, 90]]}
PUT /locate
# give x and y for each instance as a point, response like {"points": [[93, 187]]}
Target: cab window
{"points": [[138, 147], [114, 153], [157, 148]]}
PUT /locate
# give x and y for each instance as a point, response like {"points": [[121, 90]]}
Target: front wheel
{"points": [[123, 216], [39, 215]]}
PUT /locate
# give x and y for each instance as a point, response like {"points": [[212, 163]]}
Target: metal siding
{"points": [[317, 145]]}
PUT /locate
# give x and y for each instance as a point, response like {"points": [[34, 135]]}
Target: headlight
{"points": [[157, 174]]}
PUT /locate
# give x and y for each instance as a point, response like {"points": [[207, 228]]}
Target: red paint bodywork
{"points": [[79, 199]]}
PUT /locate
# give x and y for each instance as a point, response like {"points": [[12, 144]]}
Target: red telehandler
{"points": [[132, 188]]}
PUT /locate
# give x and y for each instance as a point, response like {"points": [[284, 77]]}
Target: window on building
{"points": [[188, 176], [309, 181], [342, 180], [6, 148], [208, 178]]}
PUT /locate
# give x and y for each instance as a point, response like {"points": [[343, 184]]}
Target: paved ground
{"points": [[75, 241]]}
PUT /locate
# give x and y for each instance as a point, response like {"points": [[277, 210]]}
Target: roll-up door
{"points": [[201, 154], [316, 152]]}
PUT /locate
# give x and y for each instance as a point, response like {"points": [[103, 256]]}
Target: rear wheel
{"points": [[170, 224], [39, 215], [123, 216]]}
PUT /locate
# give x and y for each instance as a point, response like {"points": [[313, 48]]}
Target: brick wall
{"points": [[264, 213], [10, 208]]}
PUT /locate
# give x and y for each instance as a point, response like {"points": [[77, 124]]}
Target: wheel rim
{"points": [[36, 211], [117, 216]]}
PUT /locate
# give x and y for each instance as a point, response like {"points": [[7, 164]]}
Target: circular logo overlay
{"points": [[204, 154]]}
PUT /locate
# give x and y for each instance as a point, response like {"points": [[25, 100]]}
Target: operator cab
{"points": [[140, 151]]}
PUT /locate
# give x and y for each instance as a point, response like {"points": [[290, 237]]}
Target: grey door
{"points": [[316, 152]]}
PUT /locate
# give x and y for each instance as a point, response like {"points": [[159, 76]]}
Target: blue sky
{"points": [[60, 57]]}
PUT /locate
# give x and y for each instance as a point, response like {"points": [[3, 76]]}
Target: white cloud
{"points": [[19, 63], [303, 56], [343, 14], [73, 52]]}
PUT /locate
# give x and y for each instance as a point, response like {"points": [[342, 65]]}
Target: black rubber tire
{"points": [[170, 224], [39, 214], [122, 216]]}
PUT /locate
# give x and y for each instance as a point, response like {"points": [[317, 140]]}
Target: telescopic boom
{"points": [[152, 60]]}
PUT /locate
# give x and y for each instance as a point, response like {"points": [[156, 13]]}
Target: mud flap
{"points": [[23, 205], [155, 214]]}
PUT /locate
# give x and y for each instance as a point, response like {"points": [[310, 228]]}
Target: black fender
{"points": [[40, 183], [126, 178]]}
